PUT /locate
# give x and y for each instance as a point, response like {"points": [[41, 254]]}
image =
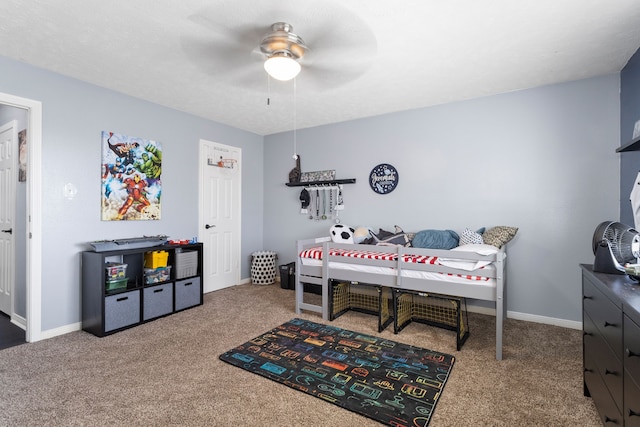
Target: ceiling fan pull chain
{"points": [[268, 90]]}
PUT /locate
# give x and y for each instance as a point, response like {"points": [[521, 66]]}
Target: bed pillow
{"points": [[498, 236], [361, 234], [468, 237], [388, 238], [436, 239], [469, 265]]}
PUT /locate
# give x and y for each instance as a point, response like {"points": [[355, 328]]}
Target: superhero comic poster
{"points": [[131, 185]]}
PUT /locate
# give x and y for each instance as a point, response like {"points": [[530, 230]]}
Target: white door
{"points": [[8, 177], [220, 195]]}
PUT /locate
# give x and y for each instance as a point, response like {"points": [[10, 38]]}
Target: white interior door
{"points": [[220, 196], [8, 176]]}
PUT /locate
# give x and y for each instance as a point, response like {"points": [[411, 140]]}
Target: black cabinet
{"points": [[611, 345], [138, 294]]}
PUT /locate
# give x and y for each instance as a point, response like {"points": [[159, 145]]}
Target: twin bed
{"points": [[468, 271]]}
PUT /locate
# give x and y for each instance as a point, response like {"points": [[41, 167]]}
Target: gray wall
{"points": [[629, 114], [74, 114], [541, 159]]}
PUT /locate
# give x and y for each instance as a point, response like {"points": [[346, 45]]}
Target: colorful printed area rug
{"points": [[390, 382]]}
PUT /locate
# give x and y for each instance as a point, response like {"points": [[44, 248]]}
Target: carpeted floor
{"points": [[167, 372]]}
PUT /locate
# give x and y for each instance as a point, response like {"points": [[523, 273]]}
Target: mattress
{"points": [[313, 257]]}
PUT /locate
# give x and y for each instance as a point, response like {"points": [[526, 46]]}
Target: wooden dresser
{"points": [[611, 345]]}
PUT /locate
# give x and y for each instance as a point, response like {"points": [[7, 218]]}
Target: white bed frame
{"points": [[330, 269]]}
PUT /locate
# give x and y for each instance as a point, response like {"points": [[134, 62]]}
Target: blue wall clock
{"points": [[383, 178]]}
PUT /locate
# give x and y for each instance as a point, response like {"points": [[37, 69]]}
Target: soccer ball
{"points": [[341, 233]]}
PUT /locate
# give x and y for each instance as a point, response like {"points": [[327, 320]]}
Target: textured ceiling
{"points": [[368, 57]]}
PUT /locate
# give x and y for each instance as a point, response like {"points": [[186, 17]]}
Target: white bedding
{"points": [[417, 274]]}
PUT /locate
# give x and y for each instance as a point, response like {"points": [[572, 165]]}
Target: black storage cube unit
{"points": [[288, 276], [369, 299], [123, 288], [443, 311]]}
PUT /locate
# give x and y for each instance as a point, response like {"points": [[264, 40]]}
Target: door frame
{"points": [[34, 212], [202, 164]]}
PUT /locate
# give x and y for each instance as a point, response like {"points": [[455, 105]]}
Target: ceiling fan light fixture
{"points": [[282, 67]]}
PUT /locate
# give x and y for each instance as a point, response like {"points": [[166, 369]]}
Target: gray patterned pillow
{"points": [[498, 236], [469, 237]]}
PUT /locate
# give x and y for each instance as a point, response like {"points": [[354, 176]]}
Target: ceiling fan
{"points": [[237, 45], [283, 50]]}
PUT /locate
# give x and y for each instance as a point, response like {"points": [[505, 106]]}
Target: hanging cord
{"points": [[295, 119]]}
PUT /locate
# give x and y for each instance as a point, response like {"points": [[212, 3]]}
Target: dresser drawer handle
{"points": [[588, 370], [587, 297], [122, 299], [610, 420], [631, 353], [608, 372], [155, 291], [586, 334], [633, 413], [609, 324]]}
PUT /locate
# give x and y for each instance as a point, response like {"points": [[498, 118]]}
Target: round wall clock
{"points": [[383, 178]]}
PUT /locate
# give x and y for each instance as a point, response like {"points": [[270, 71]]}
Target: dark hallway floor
{"points": [[10, 334]]}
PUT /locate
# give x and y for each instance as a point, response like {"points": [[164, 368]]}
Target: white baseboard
{"points": [[19, 321], [50, 333], [570, 324]]}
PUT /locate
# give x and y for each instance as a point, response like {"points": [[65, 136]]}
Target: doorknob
{"points": [[10, 231], [209, 226]]}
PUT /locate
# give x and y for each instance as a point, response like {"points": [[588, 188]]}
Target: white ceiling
{"points": [[368, 57]]}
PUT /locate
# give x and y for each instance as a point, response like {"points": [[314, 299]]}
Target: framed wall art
{"points": [[131, 178]]}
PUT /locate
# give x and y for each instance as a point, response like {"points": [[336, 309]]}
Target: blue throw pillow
{"points": [[435, 239]]}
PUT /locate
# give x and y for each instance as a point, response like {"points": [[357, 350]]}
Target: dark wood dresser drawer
{"points": [[603, 361], [632, 348], [607, 409], [631, 402], [605, 315]]}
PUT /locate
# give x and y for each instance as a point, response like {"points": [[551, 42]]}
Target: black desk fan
{"points": [[614, 245]]}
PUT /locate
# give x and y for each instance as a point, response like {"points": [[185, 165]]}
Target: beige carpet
{"points": [[167, 372]]}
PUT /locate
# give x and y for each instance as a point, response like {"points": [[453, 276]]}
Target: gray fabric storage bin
{"points": [[158, 301], [121, 310], [188, 293]]}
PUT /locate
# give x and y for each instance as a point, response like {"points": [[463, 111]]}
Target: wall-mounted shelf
{"points": [[333, 181], [634, 145]]}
